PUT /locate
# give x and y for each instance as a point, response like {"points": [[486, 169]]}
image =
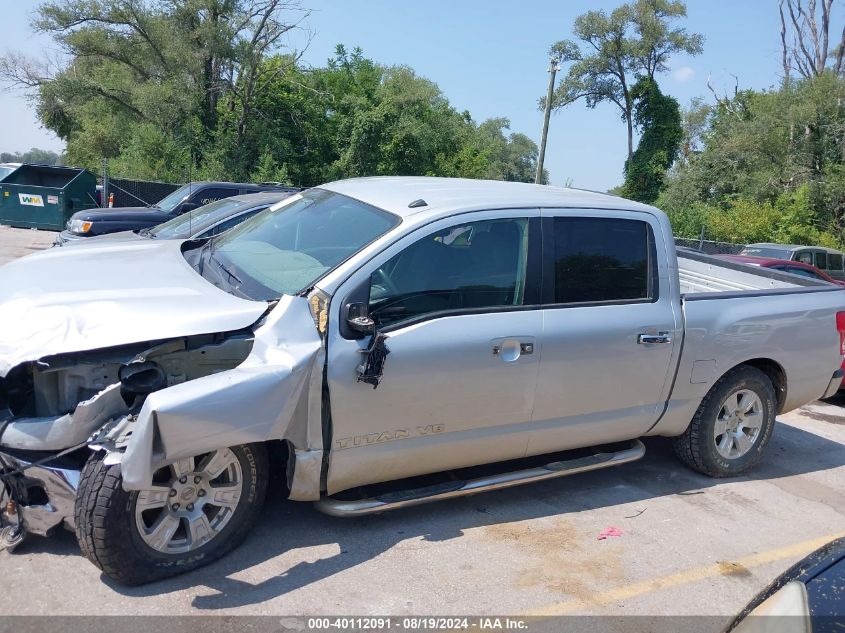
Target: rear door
{"points": [[835, 265], [610, 328]]}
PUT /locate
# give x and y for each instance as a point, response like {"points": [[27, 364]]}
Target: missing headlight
{"points": [[140, 379]]}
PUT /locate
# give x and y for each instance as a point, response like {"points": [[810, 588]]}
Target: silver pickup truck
{"points": [[377, 343]]}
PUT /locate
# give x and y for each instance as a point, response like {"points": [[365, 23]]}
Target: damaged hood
{"points": [[76, 299]]}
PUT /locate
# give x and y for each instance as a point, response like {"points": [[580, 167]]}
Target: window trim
{"points": [[548, 289]]}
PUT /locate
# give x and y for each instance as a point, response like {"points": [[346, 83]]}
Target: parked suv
{"points": [[207, 221], [826, 259], [186, 198]]}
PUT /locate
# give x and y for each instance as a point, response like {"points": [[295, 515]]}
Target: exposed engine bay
{"points": [[53, 405], [59, 401], [151, 403]]}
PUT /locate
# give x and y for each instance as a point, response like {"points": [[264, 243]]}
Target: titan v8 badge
{"points": [[388, 436]]}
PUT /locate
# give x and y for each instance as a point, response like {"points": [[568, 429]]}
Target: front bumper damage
{"points": [[46, 496], [273, 391]]}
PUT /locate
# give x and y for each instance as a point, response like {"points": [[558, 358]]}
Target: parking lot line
{"points": [[796, 550]]}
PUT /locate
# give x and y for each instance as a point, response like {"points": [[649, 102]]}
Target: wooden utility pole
{"points": [[554, 66]]}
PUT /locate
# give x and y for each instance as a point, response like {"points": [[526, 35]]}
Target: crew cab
{"points": [[103, 221], [382, 342]]}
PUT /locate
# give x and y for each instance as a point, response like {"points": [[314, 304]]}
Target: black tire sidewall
{"points": [[131, 561], [753, 380], [249, 467]]}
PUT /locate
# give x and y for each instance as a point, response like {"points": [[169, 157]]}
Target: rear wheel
{"points": [[197, 510], [733, 425]]}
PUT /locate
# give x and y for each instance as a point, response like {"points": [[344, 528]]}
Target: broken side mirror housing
{"points": [[358, 319]]}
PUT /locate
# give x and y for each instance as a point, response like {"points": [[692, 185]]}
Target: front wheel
{"points": [[732, 426], [198, 509]]}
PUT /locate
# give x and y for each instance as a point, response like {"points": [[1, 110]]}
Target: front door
{"points": [[458, 300], [610, 329]]}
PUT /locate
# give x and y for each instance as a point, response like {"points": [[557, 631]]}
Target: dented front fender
{"points": [[275, 394]]}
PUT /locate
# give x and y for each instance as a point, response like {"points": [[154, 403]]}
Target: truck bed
{"points": [[704, 274], [735, 313]]}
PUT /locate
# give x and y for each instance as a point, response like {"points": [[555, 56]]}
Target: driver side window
{"points": [[466, 267]]}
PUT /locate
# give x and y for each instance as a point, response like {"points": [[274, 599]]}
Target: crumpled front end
{"points": [[275, 394], [149, 404], [37, 498], [50, 408]]}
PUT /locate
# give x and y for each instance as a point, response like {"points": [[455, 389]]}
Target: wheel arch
{"points": [[775, 373]]}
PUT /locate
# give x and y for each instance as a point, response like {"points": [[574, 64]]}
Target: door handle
{"points": [[524, 348], [651, 339], [512, 348]]}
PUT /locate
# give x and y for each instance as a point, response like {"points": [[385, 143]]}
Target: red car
{"points": [[788, 266]]}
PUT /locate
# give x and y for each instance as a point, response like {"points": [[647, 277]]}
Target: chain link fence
{"points": [[135, 193], [709, 246]]}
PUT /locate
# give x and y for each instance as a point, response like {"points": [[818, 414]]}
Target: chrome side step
{"points": [[449, 490]]}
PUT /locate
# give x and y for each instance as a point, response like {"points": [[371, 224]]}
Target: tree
{"points": [[658, 118], [162, 65], [35, 156], [354, 117], [777, 151], [635, 39], [805, 38]]}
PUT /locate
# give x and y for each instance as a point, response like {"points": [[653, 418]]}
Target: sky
{"points": [[489, 57]]}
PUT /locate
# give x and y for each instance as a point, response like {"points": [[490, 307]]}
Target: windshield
{"points": [[764, 251], [169, 202], [285, 249], [5, 170], [196, 221]]}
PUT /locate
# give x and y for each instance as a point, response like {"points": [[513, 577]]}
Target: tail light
{"points": [[840, 327]]}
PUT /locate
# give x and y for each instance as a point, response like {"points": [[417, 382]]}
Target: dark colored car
{"points": [[809, 596], [188, 197], [207, 221]]}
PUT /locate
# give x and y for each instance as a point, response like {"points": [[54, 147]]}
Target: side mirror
{"points": [[188, 206], [358, 320]]}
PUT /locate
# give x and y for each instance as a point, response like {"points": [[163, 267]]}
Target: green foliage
{"points": [[35, 156], [356, 118], [635, 40], [658, 118], [765, 166], [204, 89]]}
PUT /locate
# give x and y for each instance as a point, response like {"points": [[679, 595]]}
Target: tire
{"points": [[110, 521], [702, 448]]}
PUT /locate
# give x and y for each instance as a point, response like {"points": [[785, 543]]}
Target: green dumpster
{"points": [[44, 197]]}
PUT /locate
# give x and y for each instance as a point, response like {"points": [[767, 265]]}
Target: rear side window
{"points": [[805, 257], [207, 196], [232, 222], [834, 261], [804, 272], [601, 259], [821, 261]]}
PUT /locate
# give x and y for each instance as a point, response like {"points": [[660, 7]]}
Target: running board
{"points": [[449, 490]]}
